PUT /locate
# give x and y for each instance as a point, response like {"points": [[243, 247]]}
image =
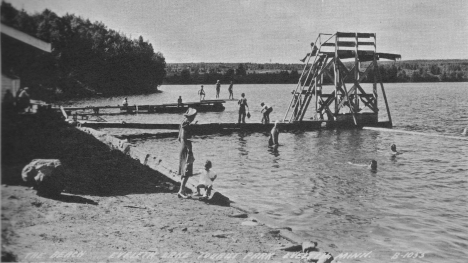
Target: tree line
{"points": [[87, 58], [401, 71]]}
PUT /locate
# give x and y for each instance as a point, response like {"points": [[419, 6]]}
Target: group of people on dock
{"points": [[244, 110], [202, 93]]}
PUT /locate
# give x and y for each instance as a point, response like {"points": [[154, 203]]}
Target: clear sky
{"points": [[277, 31]]}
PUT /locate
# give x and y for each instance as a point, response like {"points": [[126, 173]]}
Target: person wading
{"points": [[274, 134]]}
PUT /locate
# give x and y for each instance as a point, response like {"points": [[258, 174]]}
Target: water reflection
{"points": [[242, 144], [273, 150]]}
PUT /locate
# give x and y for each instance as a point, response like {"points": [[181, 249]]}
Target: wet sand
{"points": [[111, 204]]}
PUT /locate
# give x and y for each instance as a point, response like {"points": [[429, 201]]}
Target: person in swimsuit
{"points": [[266, 113], [179, 102], [372, 165], [274, 134], [218, 88], [201, 92], [186, 158], [231, 95], [242, 104]]}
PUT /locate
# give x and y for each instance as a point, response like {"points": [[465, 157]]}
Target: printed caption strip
{"points": [[157, 256]]}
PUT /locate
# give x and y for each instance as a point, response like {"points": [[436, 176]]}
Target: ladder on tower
{"points": [[325, 60]]}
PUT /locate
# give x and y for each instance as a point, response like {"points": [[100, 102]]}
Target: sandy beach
{"points": [[112, 204]]}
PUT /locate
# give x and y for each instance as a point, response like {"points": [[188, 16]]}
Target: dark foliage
{"points": [[87, 58]]}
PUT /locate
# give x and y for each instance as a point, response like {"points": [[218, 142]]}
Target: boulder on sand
{"points": [[47, 176]]}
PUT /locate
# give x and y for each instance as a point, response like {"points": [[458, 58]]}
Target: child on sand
{"points": [[206, 180]]}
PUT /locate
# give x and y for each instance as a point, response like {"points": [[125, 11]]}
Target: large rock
{"points": [[47, 176], [309, 246]]}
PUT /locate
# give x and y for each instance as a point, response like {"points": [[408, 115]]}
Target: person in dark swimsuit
{"points": [[266, 110], [201, 92], [218, 88], [185, 155], [231, 94], [242, 104]]}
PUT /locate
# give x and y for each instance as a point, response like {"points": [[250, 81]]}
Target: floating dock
{"points": [[201, 106], [213, 128]]}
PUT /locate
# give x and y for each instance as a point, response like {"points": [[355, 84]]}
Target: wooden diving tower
{"points": [[339, 56]]}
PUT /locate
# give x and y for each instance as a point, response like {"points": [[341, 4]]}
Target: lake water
{"points": [[414, 202]]}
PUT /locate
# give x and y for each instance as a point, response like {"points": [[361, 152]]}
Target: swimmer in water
{"points": [[372, 165], [394, 150]]}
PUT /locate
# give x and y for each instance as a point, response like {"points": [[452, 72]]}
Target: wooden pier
{"points": [[213, 128], [201, 106]]}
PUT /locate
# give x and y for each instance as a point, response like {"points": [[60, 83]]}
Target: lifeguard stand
{"points": [[343, 104]]}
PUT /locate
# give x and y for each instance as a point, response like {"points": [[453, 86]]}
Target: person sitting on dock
{"points": [[242, 104], [266, 113], [274, 134], [231, 94], [185, 163], [201, 92], [125, 102], [218, 88], [179, 102], [206, 180]]}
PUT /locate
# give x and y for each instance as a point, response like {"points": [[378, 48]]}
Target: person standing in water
{"points": [[242, 104], [218, 88], [274, 134], [186, 158], [201, 92], [231, 94]]}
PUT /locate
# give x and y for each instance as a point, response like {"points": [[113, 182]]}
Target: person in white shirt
{"points": [[206, 180]]}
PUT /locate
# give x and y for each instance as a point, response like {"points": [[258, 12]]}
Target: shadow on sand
{"points": [[94, 168]]}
